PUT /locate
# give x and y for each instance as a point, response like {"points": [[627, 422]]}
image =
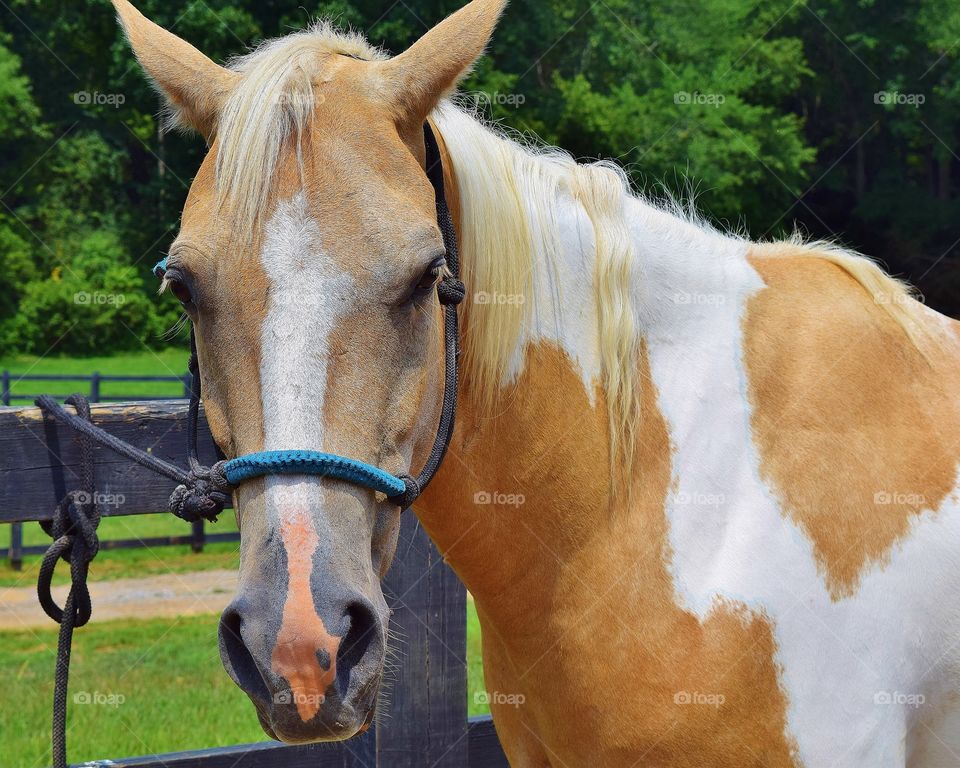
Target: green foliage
{"points": [[16, 266], [18, 111], [882, 107], [770, 113], [95, 300], [688, 90], [79, 187]]}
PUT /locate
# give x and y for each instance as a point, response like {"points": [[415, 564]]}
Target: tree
{"points": [[883, 108], [750, 105]]}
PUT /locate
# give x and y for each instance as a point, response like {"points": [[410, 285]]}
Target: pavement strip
{"points": [[180, 594]]}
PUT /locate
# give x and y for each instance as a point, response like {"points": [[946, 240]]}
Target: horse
{"points": [[702, 489]]}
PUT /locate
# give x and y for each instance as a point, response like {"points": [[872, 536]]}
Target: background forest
{"points": [[837, 116]]}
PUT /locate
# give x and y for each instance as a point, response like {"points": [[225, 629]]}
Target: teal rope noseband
{"points": [[312, 463]]}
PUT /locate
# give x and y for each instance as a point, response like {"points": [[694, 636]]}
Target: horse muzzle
{"points": [[310, 679]]}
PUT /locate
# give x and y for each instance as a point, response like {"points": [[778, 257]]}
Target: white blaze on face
{"points": [[307, 292]]}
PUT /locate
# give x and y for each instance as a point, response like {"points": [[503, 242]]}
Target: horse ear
{"points": [[195, 88], [419, 77]]}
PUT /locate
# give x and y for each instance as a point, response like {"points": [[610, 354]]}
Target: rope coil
{"points": [[202, 493], [74, 529]]}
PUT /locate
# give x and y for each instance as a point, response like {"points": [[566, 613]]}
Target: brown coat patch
{"points": [[857, 433], [577, 604]]}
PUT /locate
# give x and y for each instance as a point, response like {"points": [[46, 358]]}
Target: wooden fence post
{"points": [[5, 387], [95, 387], [199, 536], [16, 546], [427, 726]]}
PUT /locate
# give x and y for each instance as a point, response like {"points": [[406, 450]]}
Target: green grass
{"points": [[169, 692], [159, 684], [475, 684], [129, 563], [167, 362]]}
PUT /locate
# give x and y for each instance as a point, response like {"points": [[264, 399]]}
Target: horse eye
{"points": [[429, 278], [179, 289]]}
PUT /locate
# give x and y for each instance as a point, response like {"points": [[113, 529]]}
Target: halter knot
{"points": [[410, 494], [74, 530], [451, 291], [75, 521], [204, 495]]}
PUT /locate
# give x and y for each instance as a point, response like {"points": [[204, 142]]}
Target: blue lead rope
{"points": [[312, 463]]}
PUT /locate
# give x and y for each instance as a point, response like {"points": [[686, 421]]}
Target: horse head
{"points": [[307, 260]]}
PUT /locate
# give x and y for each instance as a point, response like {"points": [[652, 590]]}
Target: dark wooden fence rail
{"points": [[197, 539], [427, 726], [95, 380], [198, 536]]}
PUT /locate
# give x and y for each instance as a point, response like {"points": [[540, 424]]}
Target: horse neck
{"points": [[532, 476]]}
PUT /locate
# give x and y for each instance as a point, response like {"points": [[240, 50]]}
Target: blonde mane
{"points": [[507, 220]]}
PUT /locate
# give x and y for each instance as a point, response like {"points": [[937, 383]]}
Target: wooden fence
{"points": [[95, 381], [427, 725], [198, 536]]}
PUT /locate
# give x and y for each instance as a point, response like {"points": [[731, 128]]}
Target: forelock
{"points": [[273, 102]]}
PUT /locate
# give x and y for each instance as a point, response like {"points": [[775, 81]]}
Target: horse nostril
{"points": [[359, 657], [236, 657]]}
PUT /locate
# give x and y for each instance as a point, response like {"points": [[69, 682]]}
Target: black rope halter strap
{"points": [[74, 530], [451, 292], [203, 492]]}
